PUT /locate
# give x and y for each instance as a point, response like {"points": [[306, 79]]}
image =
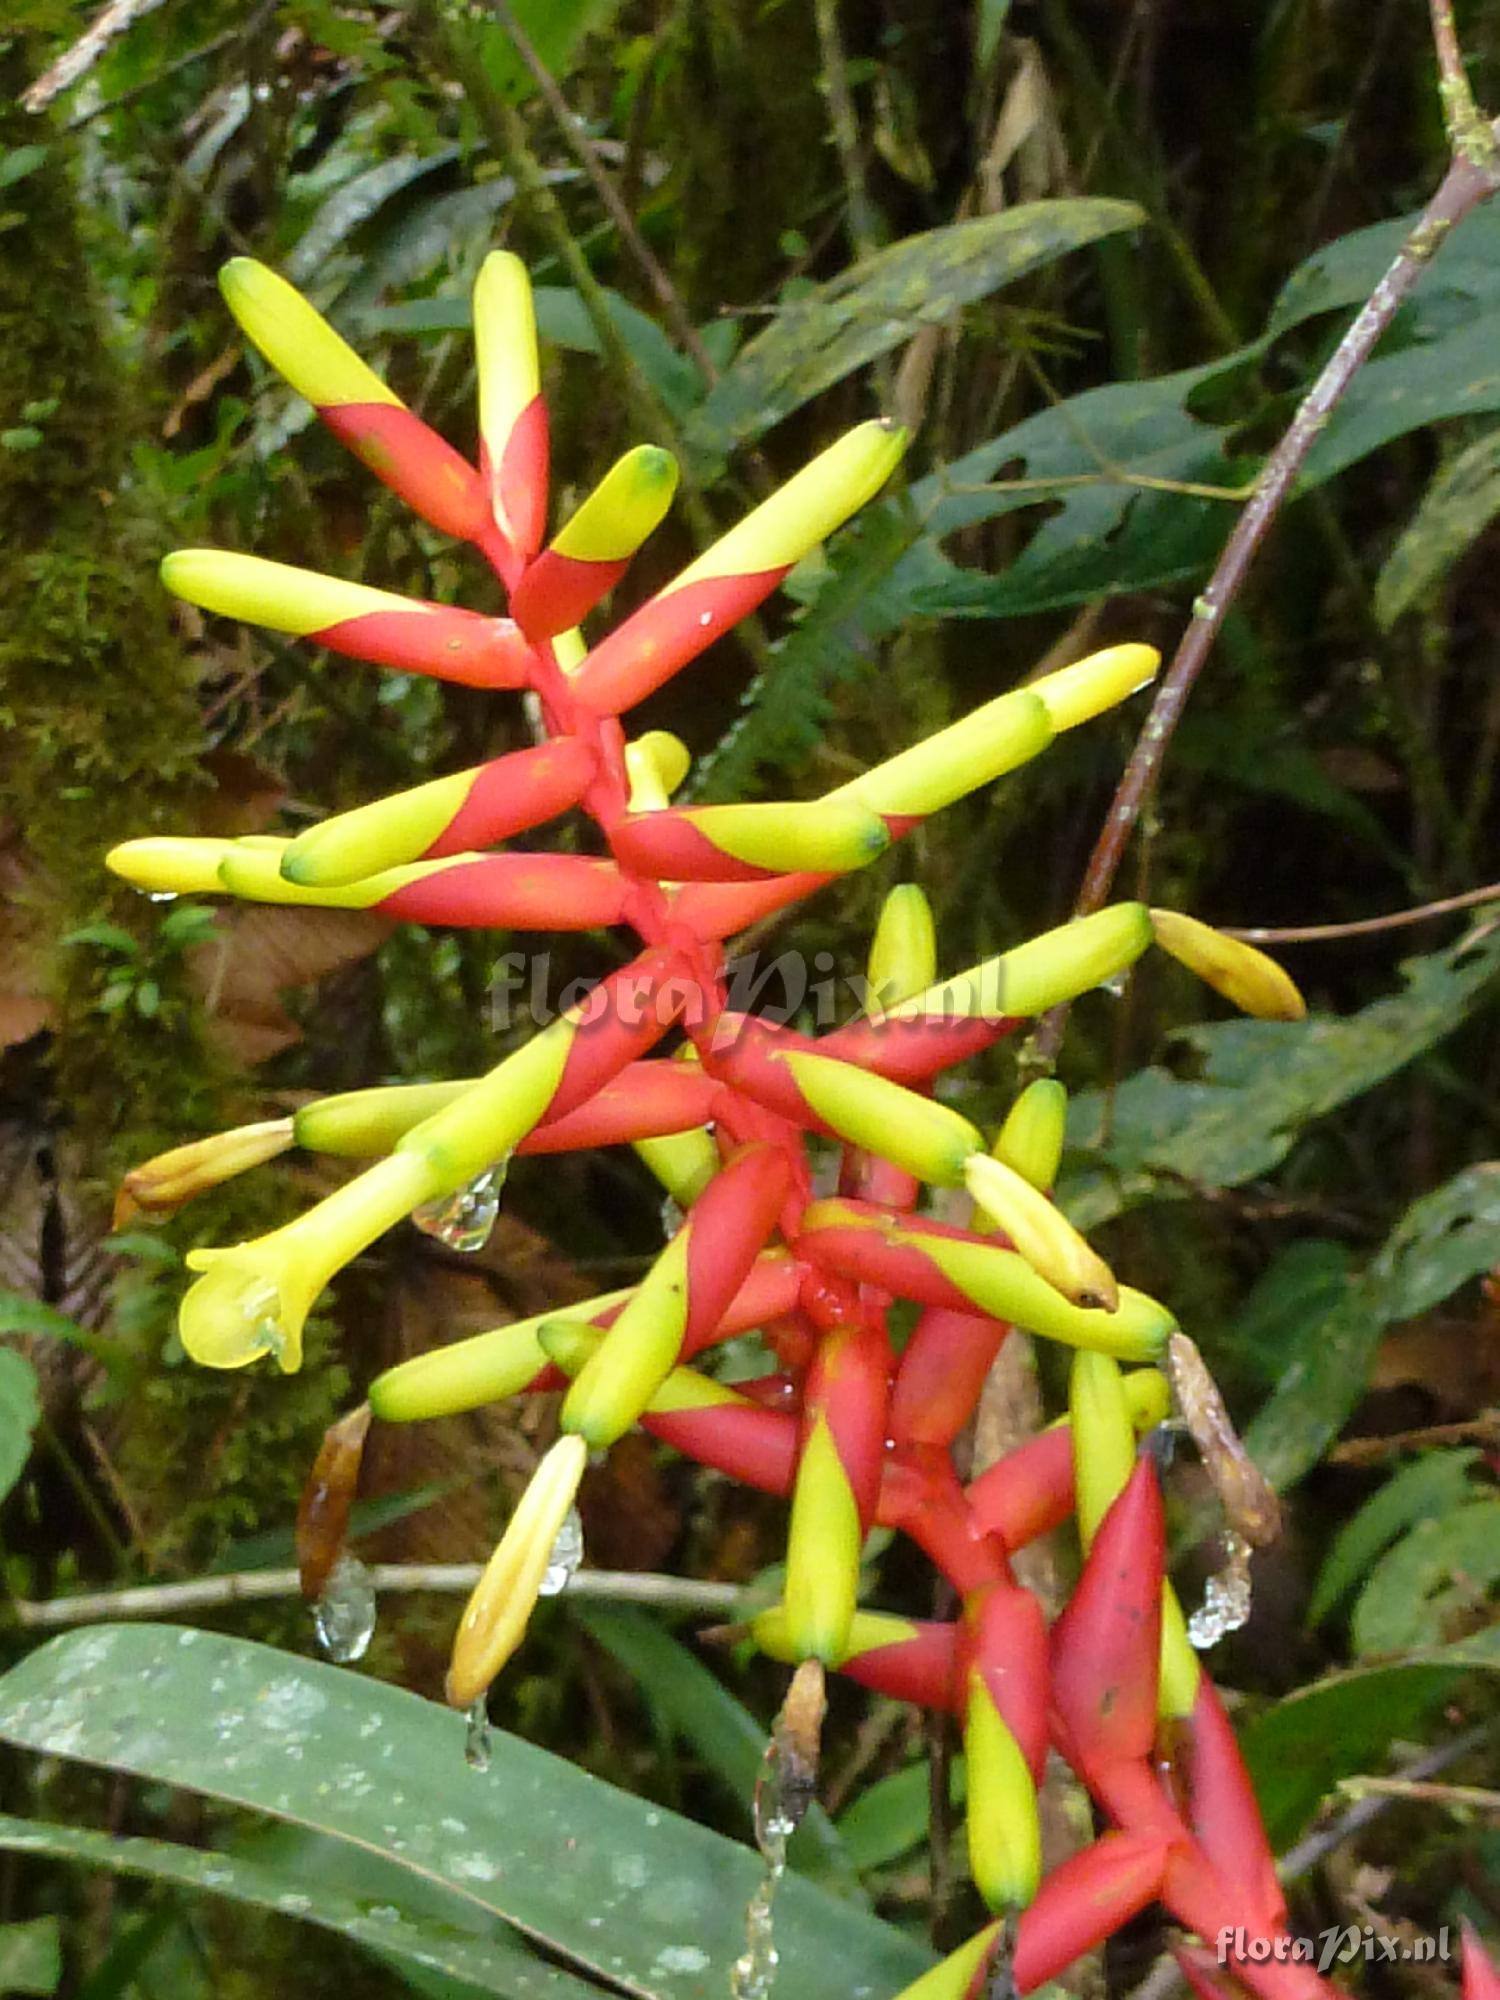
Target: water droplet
{"points": [[1226, 1597], [344, 1616], [754, 1971], [477, 1738], [1115, 985], [705, 618], [463, 1220], [567, 1554], [161, 895], [783, 1792]]}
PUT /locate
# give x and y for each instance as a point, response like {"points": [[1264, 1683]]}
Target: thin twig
{"points": [[1366, 926], [1305, 1856], [76, 62], [1467, 183], [1468, 1798], [1469, 134], [663, 1593], [1483, 1430], [587, 155], [863, 232]]}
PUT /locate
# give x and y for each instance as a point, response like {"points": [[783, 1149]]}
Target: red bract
{"points": [[733, 1120]]}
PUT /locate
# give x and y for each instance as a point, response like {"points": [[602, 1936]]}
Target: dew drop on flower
{"points": [[344, 1616], [1115, 985], [477, 1737], [567, 1554], [1226, 1597], [161, 895], [463, 1220]]}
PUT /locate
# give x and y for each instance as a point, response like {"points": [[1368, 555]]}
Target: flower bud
{"points": [[590, 554], [927, 1138], [513, 436], [745, 842], [738, 571], [376, 625], [1091, 686], [164, 1183], [1005, 1839], [903, 952], [1041, 1233], [454, 815], [1030, 1142], [656, 765], [824, 1541], [1057, 966], [997, 738], [170, 864], [361, 411], [1246, 977], [496, 1616]]}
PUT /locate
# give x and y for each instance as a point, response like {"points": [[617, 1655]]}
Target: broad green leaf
{"points": [[883, 300], [1342, 275], [690, 1703], [1437, 1575], [1300, 1749], [497, 1962], [892, 1816], [1429, 1487], [31, 1956], [1442, 1240], [20, 1412], [1455, 510], [1259, 1084], [608, 1885], [1106, 533], [1456, 375], [15, 166], [1306, 1281]]}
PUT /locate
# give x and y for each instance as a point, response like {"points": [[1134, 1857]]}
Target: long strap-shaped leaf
{"points": [[636, 1896]]}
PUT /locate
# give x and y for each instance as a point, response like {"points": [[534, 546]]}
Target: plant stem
{"points": [[586, 153], [257, 1585], [1367, 926], [1466, 184]]}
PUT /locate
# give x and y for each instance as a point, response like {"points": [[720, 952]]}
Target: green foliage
{"points": [[31, 1956], [20, 1409], [1258, 1086], [1300, 1749], [1427, 1489], [531, 1849], [880, 303]]}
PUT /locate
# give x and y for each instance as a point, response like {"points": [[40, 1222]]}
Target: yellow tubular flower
{"points": [[496, 1616]]}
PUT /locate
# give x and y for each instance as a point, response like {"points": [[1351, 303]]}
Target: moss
{"points": [[99, 707]]}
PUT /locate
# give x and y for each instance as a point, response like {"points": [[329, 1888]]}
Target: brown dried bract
{"points": [[1249, 1503], [328, 1496]]}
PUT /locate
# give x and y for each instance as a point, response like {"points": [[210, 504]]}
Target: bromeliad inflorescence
{"points": [[851, 1431]]}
